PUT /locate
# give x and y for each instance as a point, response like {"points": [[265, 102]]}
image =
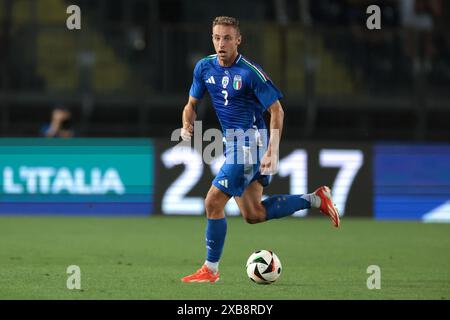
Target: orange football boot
{"points": [[327, 206], [202, 275]]}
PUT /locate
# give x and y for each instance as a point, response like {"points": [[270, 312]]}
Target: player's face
{"points": [[226, 41]]}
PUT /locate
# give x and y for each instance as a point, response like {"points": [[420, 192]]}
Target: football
{"points": [[263, 267]]}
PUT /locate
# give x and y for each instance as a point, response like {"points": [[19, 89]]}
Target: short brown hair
{"points": [[227, 21]]}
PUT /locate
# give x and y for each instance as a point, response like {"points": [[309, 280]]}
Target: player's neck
{"points": [[228, 63]]}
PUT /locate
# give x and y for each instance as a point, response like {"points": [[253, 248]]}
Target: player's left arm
{"points": [[269, 162]]}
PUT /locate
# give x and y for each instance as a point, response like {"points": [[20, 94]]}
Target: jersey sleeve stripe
{"points": [[255, 69]]}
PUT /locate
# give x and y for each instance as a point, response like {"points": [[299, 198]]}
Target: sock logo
{"points": [[208, 242]]}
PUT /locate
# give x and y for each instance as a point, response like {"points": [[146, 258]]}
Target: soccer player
{"points": [[241, 92]]}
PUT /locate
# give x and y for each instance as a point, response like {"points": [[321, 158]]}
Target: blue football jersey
{"points": [[240, 93]]}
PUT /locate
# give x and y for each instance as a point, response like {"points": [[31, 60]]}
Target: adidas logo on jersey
{"points": [[211, 80], [224, 183]]}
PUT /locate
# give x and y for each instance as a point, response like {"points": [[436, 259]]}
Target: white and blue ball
{"points": [[263, 267]]}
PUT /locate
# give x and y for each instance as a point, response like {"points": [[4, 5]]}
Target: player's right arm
{"points": [[195, 94], [188, 118]]}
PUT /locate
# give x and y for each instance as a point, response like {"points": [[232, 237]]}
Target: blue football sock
{"points": [[282, 205], [216, 230]]}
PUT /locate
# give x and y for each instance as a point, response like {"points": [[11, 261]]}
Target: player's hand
{"points": [[269, 164], [187, 132]]}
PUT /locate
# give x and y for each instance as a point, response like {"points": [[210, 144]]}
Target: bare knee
{"points": [[215, 203], [213, 207]]}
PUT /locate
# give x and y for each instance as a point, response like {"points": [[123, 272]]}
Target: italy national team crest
{"points": [[237, 82], [225, 81]]}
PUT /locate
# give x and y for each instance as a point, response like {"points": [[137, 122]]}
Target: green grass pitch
{"points": [[144, 258]]}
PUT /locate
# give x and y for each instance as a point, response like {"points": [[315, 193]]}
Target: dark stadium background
{"points": [[133, 60]]}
